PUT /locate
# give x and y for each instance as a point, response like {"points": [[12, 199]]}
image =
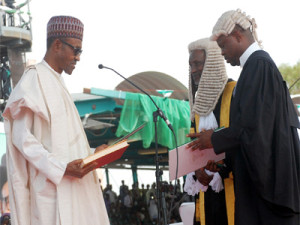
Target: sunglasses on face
{"points": [[77, 51]]}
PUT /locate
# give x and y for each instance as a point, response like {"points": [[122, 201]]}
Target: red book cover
{"points": [[107, 155]]}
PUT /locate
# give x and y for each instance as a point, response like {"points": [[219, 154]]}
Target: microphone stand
{"points": [[161, 203]]}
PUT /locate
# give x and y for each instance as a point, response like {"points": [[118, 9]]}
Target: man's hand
{"points": [[212, 166], [101, 147], [74, 169], [202, 177], [203, 140]]}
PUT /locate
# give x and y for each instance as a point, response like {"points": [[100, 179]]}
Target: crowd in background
{"points": [[138, 205]]}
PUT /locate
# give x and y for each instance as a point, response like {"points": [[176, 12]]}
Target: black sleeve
{"points": [[226, 139]]}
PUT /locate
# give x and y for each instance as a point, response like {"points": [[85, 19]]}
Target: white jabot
{"points": [[208, 122], [252, 48]]}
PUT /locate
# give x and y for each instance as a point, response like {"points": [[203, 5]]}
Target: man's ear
{"points": [[57, 45]]}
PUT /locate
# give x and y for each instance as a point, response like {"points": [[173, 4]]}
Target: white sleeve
{"points": [[33, 151], [191, 186], [216, 183]]}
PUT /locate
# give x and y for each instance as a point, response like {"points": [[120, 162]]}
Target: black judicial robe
{"points": [[264, 140], [215, 203]]}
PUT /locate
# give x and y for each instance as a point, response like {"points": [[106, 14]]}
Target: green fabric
{"points": [[138, 109]]}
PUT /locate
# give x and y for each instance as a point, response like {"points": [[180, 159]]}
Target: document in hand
{"points": [[190, 161], [107, 155]]}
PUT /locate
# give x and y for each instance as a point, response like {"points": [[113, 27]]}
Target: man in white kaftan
{"points": [[46, 142]]}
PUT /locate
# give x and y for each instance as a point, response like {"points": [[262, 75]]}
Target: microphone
{"points": [[160, 112], [100, 66]]}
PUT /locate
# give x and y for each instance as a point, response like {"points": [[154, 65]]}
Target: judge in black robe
{"points": [[263, 131]]}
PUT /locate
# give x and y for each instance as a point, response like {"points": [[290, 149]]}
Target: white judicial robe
{"points": [[44, 133]]}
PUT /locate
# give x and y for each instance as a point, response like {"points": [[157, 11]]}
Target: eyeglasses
{"points": [[77, 51]]}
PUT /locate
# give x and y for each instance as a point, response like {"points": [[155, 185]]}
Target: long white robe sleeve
{"points": [[33, 151]]}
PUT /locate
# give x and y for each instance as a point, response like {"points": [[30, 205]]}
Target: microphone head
{"points": [[100, 66]]}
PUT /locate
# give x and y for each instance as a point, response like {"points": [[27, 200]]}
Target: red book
{"points": [[107, 155], [112, 152]]}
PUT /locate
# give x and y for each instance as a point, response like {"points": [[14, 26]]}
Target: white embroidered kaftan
{"points": [[44, 133]]}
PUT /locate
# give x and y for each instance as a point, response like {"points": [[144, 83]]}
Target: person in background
{"points": [[112, 195], [46, 140], [152, 208], [128, 203], [210, 93], [123, 189], [263, 129]]}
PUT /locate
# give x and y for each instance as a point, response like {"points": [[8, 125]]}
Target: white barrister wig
{"points": [[229, 19], [212, 81]]}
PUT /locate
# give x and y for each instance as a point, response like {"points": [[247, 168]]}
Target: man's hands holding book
{"points": [[74, 168]]}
